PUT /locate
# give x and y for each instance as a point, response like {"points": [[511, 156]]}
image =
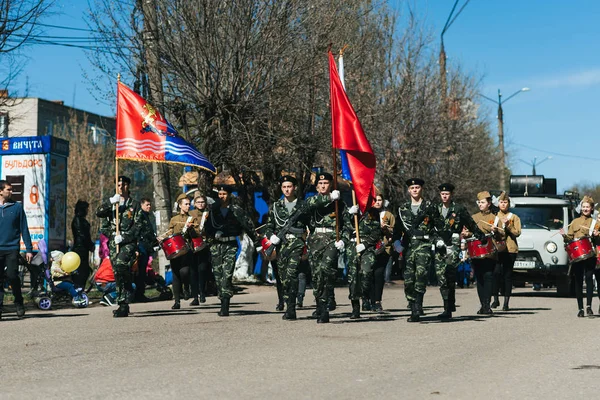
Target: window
{"points": [[3, 124], [540, 216]]}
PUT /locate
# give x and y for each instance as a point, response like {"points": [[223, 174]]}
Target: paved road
{"points": [[538, 350]]}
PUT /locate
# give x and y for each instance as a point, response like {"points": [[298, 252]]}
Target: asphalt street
{"points": [[539, 349]]}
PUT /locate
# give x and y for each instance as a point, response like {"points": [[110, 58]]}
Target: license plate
{"points": [[525, 264]]}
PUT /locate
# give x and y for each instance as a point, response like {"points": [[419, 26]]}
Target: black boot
{"points": [[279, 306], [20, 310], [176, 306], [414, 312], [290, 311], [195, 302], [419, 303], [366, 305], [505, 306], [496, 303], [487, 310], [332, 304], [122, 311], [317, 312], [300, 302], [224, 312], [355, 309], [452, 300], [447, 314], [324, 317]]}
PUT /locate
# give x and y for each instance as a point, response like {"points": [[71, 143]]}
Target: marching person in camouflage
{"points": [[226, 221], [361, 257], [126, 240], [450, 219], [323, 246], [414, 234], [147, 244], [291, 244]]}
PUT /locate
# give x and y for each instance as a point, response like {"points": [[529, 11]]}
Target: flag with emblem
{"points": [[143, 134], [348, 136]]}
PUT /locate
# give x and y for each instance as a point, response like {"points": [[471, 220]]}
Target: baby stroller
{"points": [[47, 293]]}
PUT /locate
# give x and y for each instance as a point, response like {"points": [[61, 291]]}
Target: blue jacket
{"points": [[13, 224]]}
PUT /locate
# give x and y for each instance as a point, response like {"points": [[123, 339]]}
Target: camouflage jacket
{"points": [[453, 222], [279, 216], [369, 228], [147, 239], [130, 220], [322, 215], [235, 221], [420, 226]]}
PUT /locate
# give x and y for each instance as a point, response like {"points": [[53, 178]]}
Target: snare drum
{"points": [[480, 250], [580, 249], [198, 244], [174, 246]]}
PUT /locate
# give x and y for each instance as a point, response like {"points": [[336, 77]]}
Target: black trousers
{"points": [[140, 277], [83, 272], [9, 259], [200, 274], [484, 270], [180, 267], [303, 278], [502, 283], [587, 269], [379, 276]]}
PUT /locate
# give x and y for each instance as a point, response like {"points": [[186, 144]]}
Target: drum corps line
{"points": [[322, 227]]}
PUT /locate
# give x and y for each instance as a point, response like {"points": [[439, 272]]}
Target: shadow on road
{"points": [[10, 317], [164, 313]]}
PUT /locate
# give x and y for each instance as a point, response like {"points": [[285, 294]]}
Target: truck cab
{"points": [[542, 257]]}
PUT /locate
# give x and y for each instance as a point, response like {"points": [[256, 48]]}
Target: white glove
{"points": [[115, 199], [156, 248], [274, 240], [258, 249], [360, 248], [398, 246], [218, 234], [449, 250], [118, 239], [335, 195], [439, 244], [339, 245], [353, 210]]}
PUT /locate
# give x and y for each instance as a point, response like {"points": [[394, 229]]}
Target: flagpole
{"points": [[117, 170], [341, 69], [337, 208]]}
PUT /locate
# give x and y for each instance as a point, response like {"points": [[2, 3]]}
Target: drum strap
{"points": [[592, 225], [189, 219], [496, 220]]}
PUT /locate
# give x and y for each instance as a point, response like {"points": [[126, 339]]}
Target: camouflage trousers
{"points": [[360, 272], [223, 262], [288, 260], [121, 264], [446, 263], [323, 261], [418, 260]]}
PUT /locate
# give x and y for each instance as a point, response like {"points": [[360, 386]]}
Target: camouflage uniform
{"points": [[360, 266], [323, 254], [289, 251], [130, 226], [447, 258], [416, 231], [224, 249]]}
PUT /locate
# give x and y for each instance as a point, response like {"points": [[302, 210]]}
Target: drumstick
{"points": [[492, 225]]}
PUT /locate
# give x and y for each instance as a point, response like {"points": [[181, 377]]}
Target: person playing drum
{"points": [[583, 227], [484, 266], [202, 271], [510, 225], [188, 226]]}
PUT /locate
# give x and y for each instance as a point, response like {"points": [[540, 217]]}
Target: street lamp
{"points": [[535, 163], [499, 102], [442, 59]]}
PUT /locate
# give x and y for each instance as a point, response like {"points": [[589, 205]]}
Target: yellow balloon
{"points": [[70, 262]]}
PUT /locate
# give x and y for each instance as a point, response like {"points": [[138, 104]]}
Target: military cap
{"points": [[124, 179], [446, 187], [288, 178], [224, 188], [484, 195], [504, 197], [415, 181], [588, 199], [181, 197], [324, 176]]}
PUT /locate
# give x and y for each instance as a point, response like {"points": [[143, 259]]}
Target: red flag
{"points": [[348, 135]]}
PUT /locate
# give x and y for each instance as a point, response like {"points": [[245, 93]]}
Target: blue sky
{"points": [[550, 46]]}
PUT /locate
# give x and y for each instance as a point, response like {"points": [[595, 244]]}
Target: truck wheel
{"points": [[565, 287]]}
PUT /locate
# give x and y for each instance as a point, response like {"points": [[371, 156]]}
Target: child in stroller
{"points": [[56, 286]]}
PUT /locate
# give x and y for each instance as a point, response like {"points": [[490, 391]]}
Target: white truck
{"points": [[542, 257]]}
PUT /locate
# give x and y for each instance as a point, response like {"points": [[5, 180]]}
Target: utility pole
{"points": [[160, 175], [501, 142]]}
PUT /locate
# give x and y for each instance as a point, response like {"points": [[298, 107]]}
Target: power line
{"points": [[70, 28], [558, 154]]}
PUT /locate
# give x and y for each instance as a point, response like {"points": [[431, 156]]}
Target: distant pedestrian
{"points": [[82, 243]]}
